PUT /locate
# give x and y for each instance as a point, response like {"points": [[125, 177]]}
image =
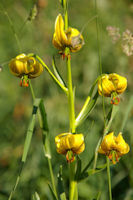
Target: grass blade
{"points": [[26, 145]]}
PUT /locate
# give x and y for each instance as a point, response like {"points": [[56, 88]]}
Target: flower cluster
{"points": [[127, 43], [114, 147], [126, 39], [114, 33]]}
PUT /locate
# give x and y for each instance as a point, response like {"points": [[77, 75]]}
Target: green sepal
{"points": [[35, 196], [62, 195]]}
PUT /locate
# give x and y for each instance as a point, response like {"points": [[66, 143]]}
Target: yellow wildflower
{"points": [[71, 38], [114, 147], [25, 67], [110, 85], [68, 142]]}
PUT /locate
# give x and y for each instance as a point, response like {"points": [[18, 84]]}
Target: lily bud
{"points": [[67, 142], [70, 38], [114, 147]]}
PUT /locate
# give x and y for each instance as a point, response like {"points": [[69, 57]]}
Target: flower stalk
{"points": [[72, 183], [109, 177]]}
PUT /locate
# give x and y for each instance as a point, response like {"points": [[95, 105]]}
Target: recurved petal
{"points": [[60, 34], [57, 43], [119, 82], [105, 86], [121, 146], [108, 142]]}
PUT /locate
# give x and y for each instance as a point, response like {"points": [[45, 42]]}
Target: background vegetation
{"points": [[16, 102]]}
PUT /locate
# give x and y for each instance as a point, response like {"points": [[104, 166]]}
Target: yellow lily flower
{"points": [[114, 147], [25, 67], [71, 38], [67, 142], [110, 85]]}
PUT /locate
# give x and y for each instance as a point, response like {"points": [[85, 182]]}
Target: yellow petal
{"points": [[61, 37], [121, 146]]}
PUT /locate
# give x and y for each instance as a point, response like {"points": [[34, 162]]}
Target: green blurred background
{"points": [[16, 102]]}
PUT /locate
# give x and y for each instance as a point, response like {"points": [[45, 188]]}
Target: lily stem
{"points": [[109, 178], [73, 192]]}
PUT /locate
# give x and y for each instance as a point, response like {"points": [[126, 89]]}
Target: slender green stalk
{"points": [[70, 95], [109, 178], [73, 192], [99, 55], [12, 28], [100, 69], [48, 158]]}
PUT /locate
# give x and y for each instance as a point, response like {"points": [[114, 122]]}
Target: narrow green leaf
{"points": [[35, 196], [44, 123], [30, 130], [45, 129], [78, 171], [26, 144], [111, 114], [60, 79], [86, 109], [98, 195], [88, 165], [52, 192], [63, 3], [61, 191], [92, 171]]}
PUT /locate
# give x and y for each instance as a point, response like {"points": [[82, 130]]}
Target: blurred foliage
{"points": [[16, 102]]}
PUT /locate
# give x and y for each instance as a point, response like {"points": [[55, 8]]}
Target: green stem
{"points": [[109, 178], [73, 192], [70, 94], [99, 55], [48, 158]]}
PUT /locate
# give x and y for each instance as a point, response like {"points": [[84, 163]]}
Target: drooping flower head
{"points": [[70, 145], [110, 85], [114, 147], [25, 67], [71, 38]]}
